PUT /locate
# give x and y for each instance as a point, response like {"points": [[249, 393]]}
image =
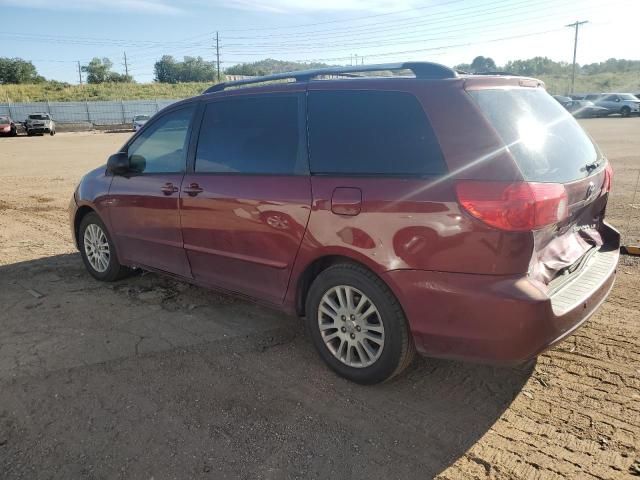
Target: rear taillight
{"points": [[517, 207], [608, 178]]}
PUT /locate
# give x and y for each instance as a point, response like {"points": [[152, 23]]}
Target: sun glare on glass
{"points": [[532, 134]]}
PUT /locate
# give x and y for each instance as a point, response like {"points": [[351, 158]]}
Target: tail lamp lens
{"points": [[517, 207], [608, 177]]}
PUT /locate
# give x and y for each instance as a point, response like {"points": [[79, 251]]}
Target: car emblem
{"points": [[590, 189]]}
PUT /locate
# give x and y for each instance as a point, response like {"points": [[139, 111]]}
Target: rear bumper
{"points": [[500, 319]]}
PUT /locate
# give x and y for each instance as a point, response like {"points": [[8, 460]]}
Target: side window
{"points": [[371, 132], [610, 98], [163, 147], [252, 135]]}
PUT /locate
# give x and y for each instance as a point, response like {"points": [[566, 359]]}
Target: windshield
{"points": [[4, 121], [628, 96], [141, 117], [38, 116], [547, 143]]}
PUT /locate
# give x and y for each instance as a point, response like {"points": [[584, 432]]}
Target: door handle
{"points": [[168, 188], [192, 190]]}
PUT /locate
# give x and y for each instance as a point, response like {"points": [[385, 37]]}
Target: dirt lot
{"points": [[152, 378]]}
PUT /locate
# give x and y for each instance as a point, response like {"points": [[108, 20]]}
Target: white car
{"points": [[139, 121]]}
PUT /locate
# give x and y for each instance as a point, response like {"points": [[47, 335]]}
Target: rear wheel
{"points": [[625, 111], [357, 325], [97, 250]]}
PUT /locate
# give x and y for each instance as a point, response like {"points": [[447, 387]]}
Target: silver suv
{"points": [[40, 123], [623, 103]]}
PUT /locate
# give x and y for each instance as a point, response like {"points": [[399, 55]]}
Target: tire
{"points": [[109, 269], [380, 361], [52, 133], [625, 111], [29, 133]]}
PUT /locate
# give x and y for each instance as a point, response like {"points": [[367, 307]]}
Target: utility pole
{"points": [[79, 72], [575, 25], [126, 65], [218, 55]]}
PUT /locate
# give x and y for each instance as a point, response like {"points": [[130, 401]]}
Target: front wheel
{"points": [[357, 325], [97, 250], [52, 133], [625, 111]]}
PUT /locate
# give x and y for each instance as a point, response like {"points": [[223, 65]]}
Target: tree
{"points": [[191, 69], [270, 66], [482, 64], [17, 70], [99, 71]]}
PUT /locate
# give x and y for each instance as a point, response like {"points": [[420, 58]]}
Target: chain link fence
{"points": [[115, 112]]}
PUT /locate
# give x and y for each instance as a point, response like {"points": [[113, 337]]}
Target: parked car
{"points": [[40, 123], [586, 109], [139, 121], [564, 101], [459, 216], [7, 127], [625, 104]]}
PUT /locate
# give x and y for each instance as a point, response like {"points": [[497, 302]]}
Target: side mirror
{"points": [[618, 99], [118, 163]]}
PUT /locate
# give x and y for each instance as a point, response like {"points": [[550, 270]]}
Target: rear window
{"points": [[371, 132], [547, 143]]}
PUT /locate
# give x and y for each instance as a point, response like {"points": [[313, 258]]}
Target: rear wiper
{"points": [[592, 166]]}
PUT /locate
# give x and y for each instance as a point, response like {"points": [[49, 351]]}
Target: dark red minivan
{"points": [[396, 207]]}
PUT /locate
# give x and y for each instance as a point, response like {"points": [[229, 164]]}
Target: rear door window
{"points": [[253, 135], [358, 132], [546, 142]]}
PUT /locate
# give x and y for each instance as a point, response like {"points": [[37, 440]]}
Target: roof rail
{"points": [[419, 69], [497, 72]]}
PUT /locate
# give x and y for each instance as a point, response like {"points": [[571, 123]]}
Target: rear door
{"points": [[246, 199]]}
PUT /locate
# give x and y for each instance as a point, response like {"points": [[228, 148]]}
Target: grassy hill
{"points": [[556, 84], [105, 91]]}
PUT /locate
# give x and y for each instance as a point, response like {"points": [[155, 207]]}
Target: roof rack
{"points": [[419, 69]]}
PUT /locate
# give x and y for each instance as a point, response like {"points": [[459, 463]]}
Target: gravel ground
{"points": [[153, 378]]}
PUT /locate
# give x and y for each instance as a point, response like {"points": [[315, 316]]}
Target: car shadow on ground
{"points": [[150, 377]]}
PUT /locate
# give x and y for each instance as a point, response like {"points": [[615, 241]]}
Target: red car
{"points": [[7, 127], [459, 216]]}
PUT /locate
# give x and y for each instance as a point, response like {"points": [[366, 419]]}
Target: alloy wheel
{"points": [[96, 248], [351, 326]]}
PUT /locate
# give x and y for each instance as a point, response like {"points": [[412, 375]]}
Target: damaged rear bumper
{"points": [[501, 319]]}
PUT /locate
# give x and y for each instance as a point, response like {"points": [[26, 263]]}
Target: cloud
{"points": [[145, 6], [306, 6]]}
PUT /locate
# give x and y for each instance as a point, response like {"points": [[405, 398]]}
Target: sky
{"points": [[56, 35]]}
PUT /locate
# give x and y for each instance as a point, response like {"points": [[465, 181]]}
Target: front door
{"points": [[143, 204], [246, 200]]}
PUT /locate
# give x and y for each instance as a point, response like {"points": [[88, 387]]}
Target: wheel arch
{"points": [[315, 268], [81, 212]]}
